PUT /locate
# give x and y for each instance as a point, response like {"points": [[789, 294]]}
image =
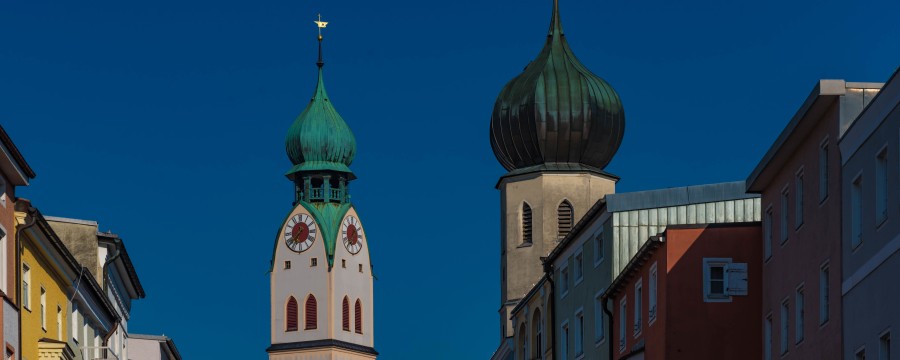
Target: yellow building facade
{"points": [[47, 273]]}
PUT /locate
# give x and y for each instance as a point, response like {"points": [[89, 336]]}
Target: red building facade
{"points": [[693, 292], [799, 179]]}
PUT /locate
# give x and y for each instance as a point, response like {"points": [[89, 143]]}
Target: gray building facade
{"points": [[870, 245]]}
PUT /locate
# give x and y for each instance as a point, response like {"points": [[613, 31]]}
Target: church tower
{"points": [[321, 274], [554, 128]]}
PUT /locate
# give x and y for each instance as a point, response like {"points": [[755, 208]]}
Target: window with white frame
{"points": [[564, 341], [74, 321], [785, 315], [767, 341], [579, 333], [651, 283], [26, 286], [784, 214], [881, 186], [884, 346], [599, 333], [564, 281], [59, 324], [798, 199], [824, 278], [598, 249], [638, 299], [579, 266], [799, 309], [856, 212], [623, 313], [767, 234], [43, 309], [3, 260], [823, 170], [723, 279]]}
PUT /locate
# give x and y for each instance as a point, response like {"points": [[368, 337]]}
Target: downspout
{"points": [[609, 316], [118, 243], [548, 272], [29, 215]]}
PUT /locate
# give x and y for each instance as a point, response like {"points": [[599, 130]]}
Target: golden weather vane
{"points": [[321, 24]]}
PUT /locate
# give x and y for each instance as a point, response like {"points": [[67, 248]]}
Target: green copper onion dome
{"points": [[556, 111], [319, 139]]}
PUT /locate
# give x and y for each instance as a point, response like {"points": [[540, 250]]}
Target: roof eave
{"points": [[15, 166]]}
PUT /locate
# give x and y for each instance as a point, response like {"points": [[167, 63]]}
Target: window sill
{"points": [[579, 280], [597, 343], [823, 200], [652, 320], [579, 356], [879, 224], [524, 245], [563, 295], [799, 227], [597, 263]]}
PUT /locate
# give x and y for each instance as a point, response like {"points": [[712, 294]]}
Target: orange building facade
{"points": [[693, 292]]}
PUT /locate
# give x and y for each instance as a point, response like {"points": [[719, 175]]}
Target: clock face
{"points": [[300, 232], [352, 234]]}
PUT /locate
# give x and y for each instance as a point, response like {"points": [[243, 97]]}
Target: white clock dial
{"points": [[352, 234], [300, 232]]}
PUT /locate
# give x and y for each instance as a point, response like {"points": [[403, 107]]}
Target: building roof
{"points": [[319, 139], [18, 165], [556, 111], [650, 199], [676, 196], [858, 95], [163, 340], [638, 260], [126, 261], [524, 299]]}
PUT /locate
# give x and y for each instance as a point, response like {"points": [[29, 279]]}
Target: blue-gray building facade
{"points": [[870, 234]]}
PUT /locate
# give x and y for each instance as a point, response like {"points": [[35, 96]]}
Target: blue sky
{"points": [[165, 122]]}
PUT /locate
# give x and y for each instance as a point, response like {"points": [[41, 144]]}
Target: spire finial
{"points": [[321, 25], [555, 23]]}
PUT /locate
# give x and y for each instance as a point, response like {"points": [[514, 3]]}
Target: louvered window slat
{"points": [[526, 224], [292, 315], [346, 314], [564, 216], [358, 317], [311, 313]]}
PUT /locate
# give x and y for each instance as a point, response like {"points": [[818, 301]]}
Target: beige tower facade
{"points": [[537, 210]]}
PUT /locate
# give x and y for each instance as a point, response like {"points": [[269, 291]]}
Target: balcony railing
{"points": [[98, 353], [334, 195]]}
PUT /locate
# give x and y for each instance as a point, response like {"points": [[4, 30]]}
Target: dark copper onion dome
{"points": [[556, 111]]}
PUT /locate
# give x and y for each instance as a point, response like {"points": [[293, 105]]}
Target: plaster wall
{"points": [[329, 286], [81, 241], [145, 349], [43, 275], [797, 260], [534, 315], [520, 263], [11, 327]]}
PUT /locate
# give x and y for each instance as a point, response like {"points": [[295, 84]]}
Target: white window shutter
{"points": [[737, 279]]}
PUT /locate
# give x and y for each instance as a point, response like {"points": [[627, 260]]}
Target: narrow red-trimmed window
{"points": [[346, 316], [311, 313], [292, 315], [358, 317]]}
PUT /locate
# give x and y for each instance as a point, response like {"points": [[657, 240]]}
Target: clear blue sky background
{"points": [[165, 122]]}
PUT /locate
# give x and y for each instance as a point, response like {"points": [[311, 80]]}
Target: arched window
{"points": [[346, 314], [358, 317], [537, 331], [564, 219], [311, 313], [291, 315], [526, 223]]}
